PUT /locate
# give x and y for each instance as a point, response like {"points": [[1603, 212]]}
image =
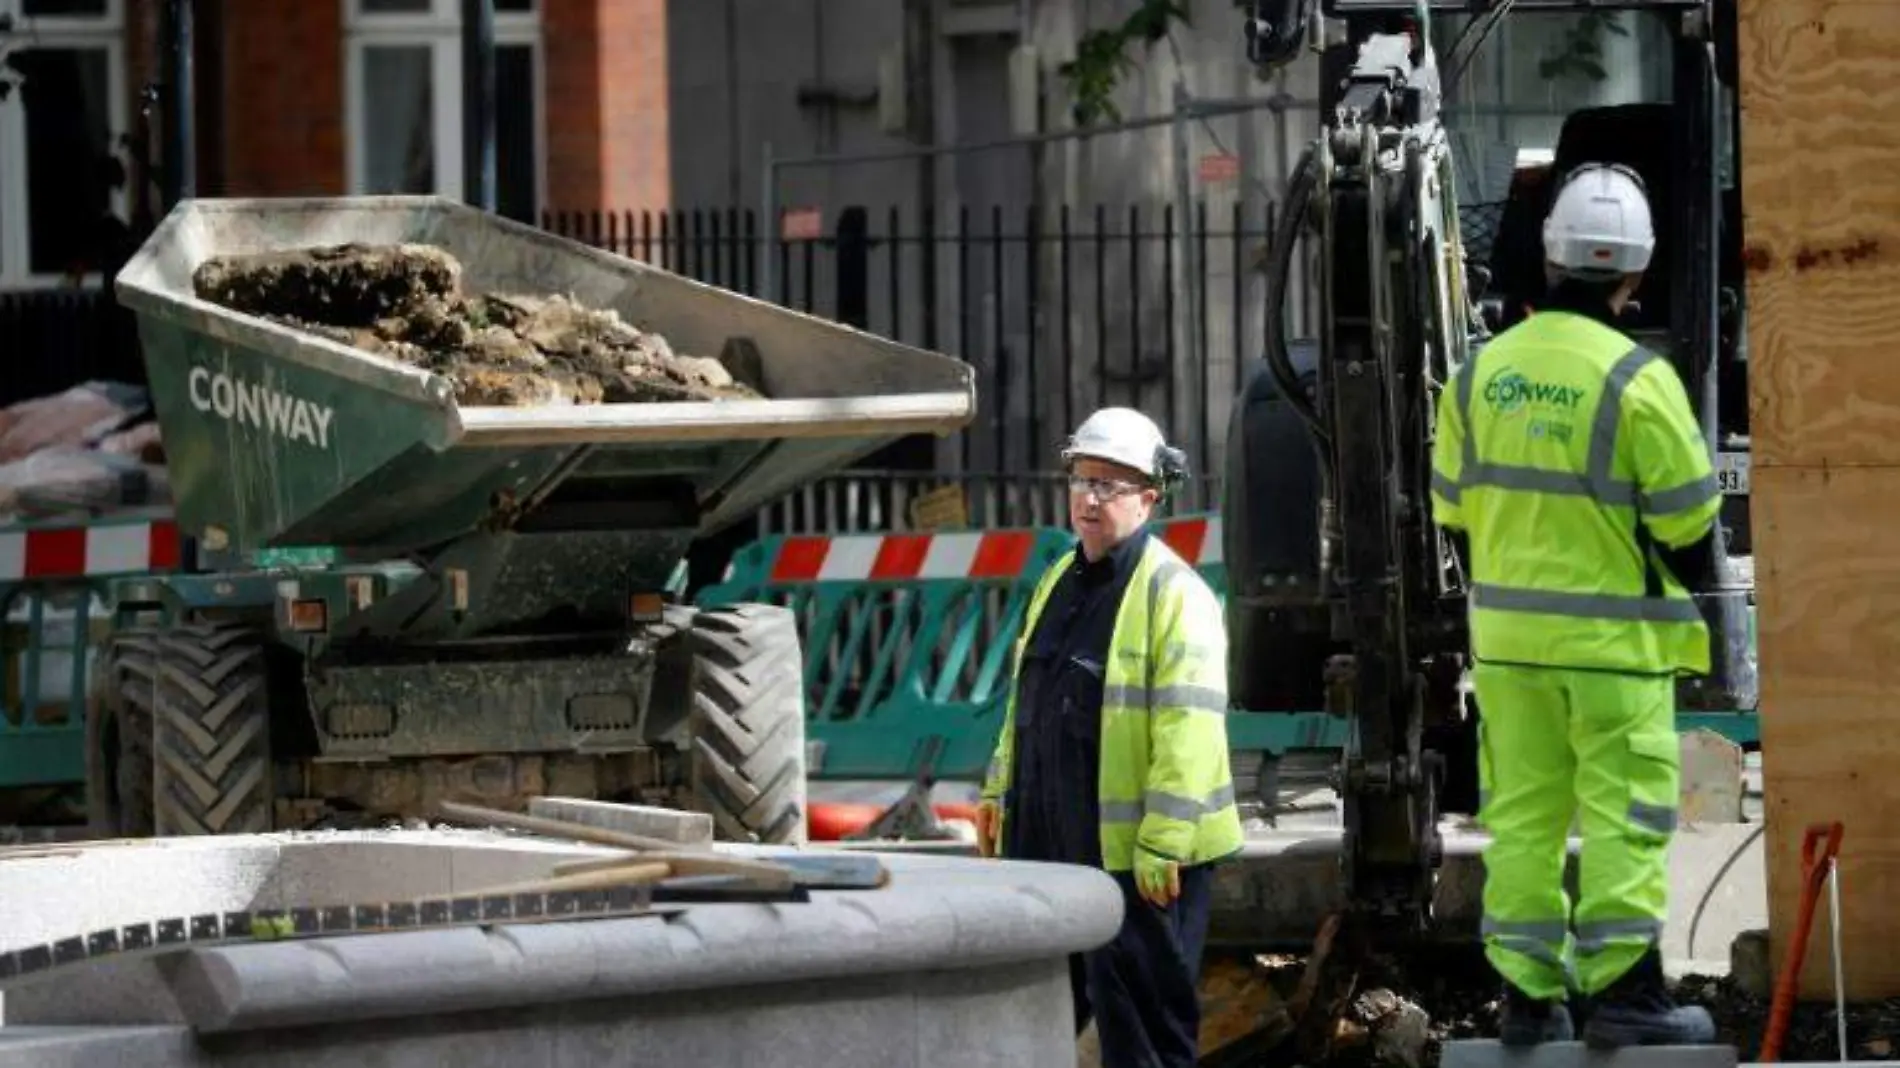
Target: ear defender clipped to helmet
{"points": [[1171, 467]]}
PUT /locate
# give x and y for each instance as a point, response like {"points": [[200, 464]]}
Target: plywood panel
{"points": [[1820, 164], [1820, 95], [1828, 568]]}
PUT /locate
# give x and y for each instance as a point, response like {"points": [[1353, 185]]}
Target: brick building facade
{"points": [[323, 97]]}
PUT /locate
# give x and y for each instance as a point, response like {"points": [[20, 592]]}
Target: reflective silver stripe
{"points": [[1628, 607], [1468, 453], [1173, 806], [1540, 940], [1542, 480], [1164, 573], [1599, 935], [1191, 698], [1551, 932], [1688, 495], [1610, 415], [1182, 651], [1519, 939], [1445, 487], [1661, 819]]}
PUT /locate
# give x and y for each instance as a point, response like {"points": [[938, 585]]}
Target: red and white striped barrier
{"points": [[902, 557], [961, 555], [1195, 539], [87, 551]]}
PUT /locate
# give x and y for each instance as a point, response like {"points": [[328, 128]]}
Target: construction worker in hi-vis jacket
{"points": [[1581, 493], [1113, 749]]}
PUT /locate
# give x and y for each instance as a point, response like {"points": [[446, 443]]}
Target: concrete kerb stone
{"points": [[938, 914]]}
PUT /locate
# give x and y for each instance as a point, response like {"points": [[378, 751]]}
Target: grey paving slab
{"points": [[1487, 1053]]}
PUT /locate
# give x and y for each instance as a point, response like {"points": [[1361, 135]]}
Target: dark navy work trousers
{"points": [[1141, 988]]}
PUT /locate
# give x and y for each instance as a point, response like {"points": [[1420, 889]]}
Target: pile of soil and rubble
{"points": [[407, 302], [1402, 1013], [88, 451], [1406, 1010], [1873, 1028]]}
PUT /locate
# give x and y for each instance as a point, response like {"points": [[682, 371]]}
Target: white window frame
{"points": [[105, 32], [440, 30]]}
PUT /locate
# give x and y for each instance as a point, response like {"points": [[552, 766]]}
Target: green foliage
{"points": [[1101, 58], [1581, 52]]}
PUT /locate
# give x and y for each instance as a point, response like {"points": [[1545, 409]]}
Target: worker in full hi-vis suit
{"points": [[1580, 490]]}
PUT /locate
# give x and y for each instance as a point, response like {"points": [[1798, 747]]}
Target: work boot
{"points": [[1527, 1021], [1638, 1010]]}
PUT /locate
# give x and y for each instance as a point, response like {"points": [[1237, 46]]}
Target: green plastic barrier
{"points": [[52, 575], [907, 638]]}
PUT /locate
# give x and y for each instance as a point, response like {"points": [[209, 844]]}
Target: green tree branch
{"points": [[1101, 58]]}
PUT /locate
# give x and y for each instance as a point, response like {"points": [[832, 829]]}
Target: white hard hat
{"points": [[1600, 226], [1123, 436]]}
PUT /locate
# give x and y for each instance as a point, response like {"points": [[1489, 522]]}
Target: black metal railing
{"points": [[58, 338], [1059, 310]]}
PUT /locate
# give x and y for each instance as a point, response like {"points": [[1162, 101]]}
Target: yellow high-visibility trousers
{"points": [[1553, 741]]}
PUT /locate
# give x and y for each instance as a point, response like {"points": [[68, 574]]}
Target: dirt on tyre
{"points": [[187, 730], [748, 723]]}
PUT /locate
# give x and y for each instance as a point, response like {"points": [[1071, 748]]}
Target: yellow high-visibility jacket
{"points": [[1165, 781], [1567, 453]]}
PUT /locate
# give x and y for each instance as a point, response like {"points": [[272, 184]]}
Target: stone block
{"points": [[1712, 786], [1489, 1053], [1750, 965], [672, 825]]}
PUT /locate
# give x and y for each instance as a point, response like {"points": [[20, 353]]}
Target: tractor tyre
{"points": [[193, 730], [119, 737], [747, 728]]}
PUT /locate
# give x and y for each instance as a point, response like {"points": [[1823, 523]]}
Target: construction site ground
{"points": [[1714, 943]]}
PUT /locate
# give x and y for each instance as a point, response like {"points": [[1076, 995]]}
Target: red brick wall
{"points": [[607, 103], [571, 83], [636, 159], [283, 91], [283, 125]]}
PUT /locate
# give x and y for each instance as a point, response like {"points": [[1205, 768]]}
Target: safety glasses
{"points": [[1103, 489]]}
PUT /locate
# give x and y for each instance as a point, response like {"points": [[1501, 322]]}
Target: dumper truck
{"points": [[391, 597]]}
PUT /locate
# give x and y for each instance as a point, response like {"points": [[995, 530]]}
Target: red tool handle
{"points": [[1814, 872]]}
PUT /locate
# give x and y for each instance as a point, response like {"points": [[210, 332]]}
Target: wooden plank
{"points": [[1828, 575], [1820, 97]]}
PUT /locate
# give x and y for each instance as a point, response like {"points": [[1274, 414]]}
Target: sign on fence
{"points": [[803, 224], [940, 509], [1220, 167]]}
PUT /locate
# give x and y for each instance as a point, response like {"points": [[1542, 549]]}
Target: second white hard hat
{"points": [[1599, 226], [1119, 435]]}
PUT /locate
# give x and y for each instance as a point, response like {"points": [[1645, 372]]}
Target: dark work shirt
{"points": [[1052, 803]]}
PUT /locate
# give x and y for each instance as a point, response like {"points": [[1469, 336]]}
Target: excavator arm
{"points": [[1375, 191]]}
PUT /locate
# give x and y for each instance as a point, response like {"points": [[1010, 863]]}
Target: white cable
{"points": [[1834, 925]]}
